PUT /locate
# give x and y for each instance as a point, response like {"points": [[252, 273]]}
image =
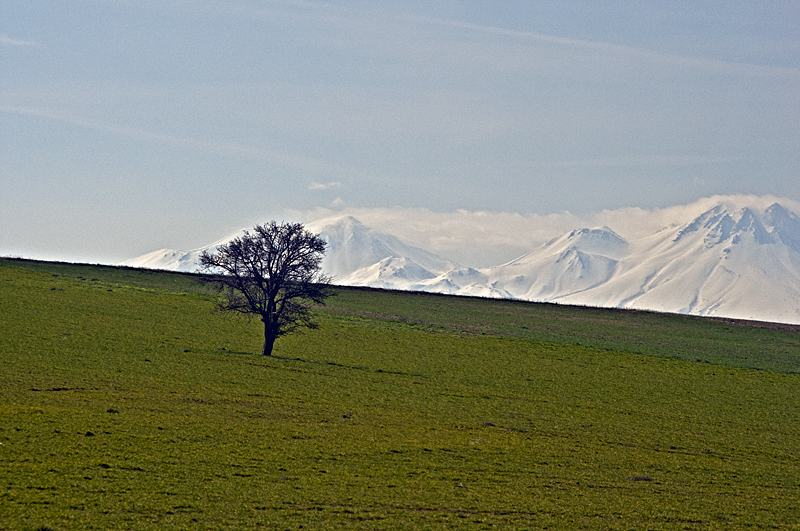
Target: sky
{"points": [[132, 125]]}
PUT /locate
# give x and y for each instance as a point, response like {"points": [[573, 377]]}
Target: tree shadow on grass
{"points": [[343, 366]]}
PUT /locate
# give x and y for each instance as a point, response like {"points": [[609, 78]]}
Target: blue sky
{"points": [[130, 125]]}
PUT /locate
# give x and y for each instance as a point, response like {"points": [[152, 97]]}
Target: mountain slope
{"points": [[356, 255], [573, 263], [733, 260], [732, 264], [359, 255], [740, 263], [176, 260], [722, 263]]}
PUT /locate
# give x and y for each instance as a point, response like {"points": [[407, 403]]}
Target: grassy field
{"points": [[125, 403]]}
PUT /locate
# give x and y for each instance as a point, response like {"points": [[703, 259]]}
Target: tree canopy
{"points": [[273, 273]]}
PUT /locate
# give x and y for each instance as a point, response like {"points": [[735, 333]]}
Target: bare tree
{"points": [[272, 273]]}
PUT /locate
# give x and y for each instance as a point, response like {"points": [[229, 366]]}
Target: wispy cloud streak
{"points": [[646, 160], [5, 40], [680, 61], [218, 147]]}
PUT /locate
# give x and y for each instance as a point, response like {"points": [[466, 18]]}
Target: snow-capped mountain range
{"points": [[740, 262]]}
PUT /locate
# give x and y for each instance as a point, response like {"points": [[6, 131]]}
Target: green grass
{"points": [[679, 336], [128, 404], [145, 278], [726, 342]]}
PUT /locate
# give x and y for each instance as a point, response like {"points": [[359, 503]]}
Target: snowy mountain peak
{"points": [[358, 254], [718, 225], [785, 226], [598, 241], [337, 226], [735, 259], [715, 219]]}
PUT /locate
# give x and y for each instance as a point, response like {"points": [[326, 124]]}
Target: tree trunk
{"points": [[269, 340], [267, 349]]}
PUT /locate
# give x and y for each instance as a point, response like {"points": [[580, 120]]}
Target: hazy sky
{"points": [[130, 125]]}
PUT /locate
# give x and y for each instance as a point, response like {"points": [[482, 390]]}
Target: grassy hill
{"points": [[125, 403]]}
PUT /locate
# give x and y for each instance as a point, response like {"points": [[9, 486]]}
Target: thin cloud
{"points": [[5, 40], [643, 54], [324, 186], [647, 160], [264, 9], [301, 3], [476, 239], [634, 222], [482, 239], [219, 147]]}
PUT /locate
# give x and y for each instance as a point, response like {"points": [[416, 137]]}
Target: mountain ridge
{"points": [[734, 261]]}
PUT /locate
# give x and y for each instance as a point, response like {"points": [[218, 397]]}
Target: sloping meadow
{"points": [[134, 407]]}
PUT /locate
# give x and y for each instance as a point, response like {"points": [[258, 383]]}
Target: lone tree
{"points": [[272, 273]]}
